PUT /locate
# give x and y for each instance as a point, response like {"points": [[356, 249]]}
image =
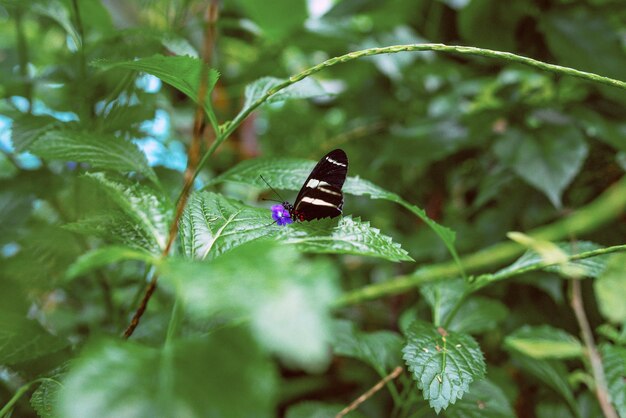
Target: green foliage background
{"points": [[451, 149]]}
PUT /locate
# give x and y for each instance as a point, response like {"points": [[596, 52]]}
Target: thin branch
{"points": [[371, 392], [595, 360], [193, 155]]}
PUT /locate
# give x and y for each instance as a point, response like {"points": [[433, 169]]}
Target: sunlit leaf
{"points": [[543, 342], [106, 255], [610, 289]]}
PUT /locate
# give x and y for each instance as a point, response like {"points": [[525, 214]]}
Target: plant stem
{"points": [[371, 392], [599, 212], [592, 351], [19, 393]]}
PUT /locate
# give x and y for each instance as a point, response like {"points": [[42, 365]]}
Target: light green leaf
{"points": [[443, 364], [544, 342], [27, 128], [290, 174], [213, 224], [182, 73], [548, 160], [45, 398], [22, 339], [614, 361], [143, 208], [279, 20], [484, 400], [100, 151], [106, 255], [380, 349], [285, 298], [478, 315], [610, 288], [313, 409], [57, 11], [222, 376]]}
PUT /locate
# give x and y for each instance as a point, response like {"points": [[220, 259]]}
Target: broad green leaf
{"points": [[100, 151], [380, 349], [552, 409], [348, 236], [182, 73], [224, 375], [477, 315], [551, 372], [484, 400], [44, 399], [610, 289], [22, 339], [141, 209], [106, 255], [548, 160], [57, 11], [212, 225], [314, 409], [614, 361], [285, 298], [303, 89], [290, 174], [442, 297], [27, 128], [279, 20], [443, 364], [544, 342]]}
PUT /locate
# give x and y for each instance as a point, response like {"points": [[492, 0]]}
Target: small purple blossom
{"points": [[281, 215]]}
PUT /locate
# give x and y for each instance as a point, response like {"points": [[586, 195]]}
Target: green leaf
{"points": [[44, 399], [143, 208], [380, 349], [100, 151], [610, 289], [443, 364], [22, 339], [279, 20], [442, 297], [212, 225], [285, 298], [484, 400], [614, 361], [57, 11], [314, 409], [478, 315], [548, 160], [290, 174], [182, 73], [223, 376], [27, 128], [544, 342], [106, 255]]}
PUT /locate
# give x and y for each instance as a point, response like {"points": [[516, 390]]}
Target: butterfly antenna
{"points": [[274, 190]]}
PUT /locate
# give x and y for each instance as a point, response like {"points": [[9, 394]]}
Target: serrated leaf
{"points": [[22, 339], [610, 289], [477, 315], [100, 151], [290, 174], [304, 89], [484, 400], [27, 128], [144, 207], [286, 299], [106, 255], [543, 342], [348, 236], [548, 160], [180, 72], [314, 409], [212, 225], [443, 364], [614, 361], [115, 378], [380, 349], [44, 399]]}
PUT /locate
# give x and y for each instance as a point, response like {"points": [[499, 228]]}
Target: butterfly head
{"points": [[282, 213]]}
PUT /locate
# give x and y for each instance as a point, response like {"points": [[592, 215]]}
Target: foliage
{"points": [[485, 191]]}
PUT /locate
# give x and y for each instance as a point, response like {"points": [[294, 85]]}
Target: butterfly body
{"points": [[320, 195]]}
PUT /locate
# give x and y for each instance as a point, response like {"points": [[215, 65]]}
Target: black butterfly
{"points": [[320, 196]]}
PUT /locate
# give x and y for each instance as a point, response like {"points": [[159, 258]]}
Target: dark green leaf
{"points": [[484, 400], [443, 364], [224, 376], [614, 361], [478, 314], [27, 128], [543, 342], [313, 409], [45, 398], [442, 297]]}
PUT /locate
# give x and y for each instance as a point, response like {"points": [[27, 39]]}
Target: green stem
{"points": [[605, 208], [19, 393]]}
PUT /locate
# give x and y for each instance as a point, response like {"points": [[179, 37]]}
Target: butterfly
{"points": [[320, 195]]}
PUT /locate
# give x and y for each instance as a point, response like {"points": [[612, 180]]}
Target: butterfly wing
{"points": [[321, 196]]}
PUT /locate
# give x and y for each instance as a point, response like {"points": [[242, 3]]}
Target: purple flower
{"points": [[281, 215]]}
